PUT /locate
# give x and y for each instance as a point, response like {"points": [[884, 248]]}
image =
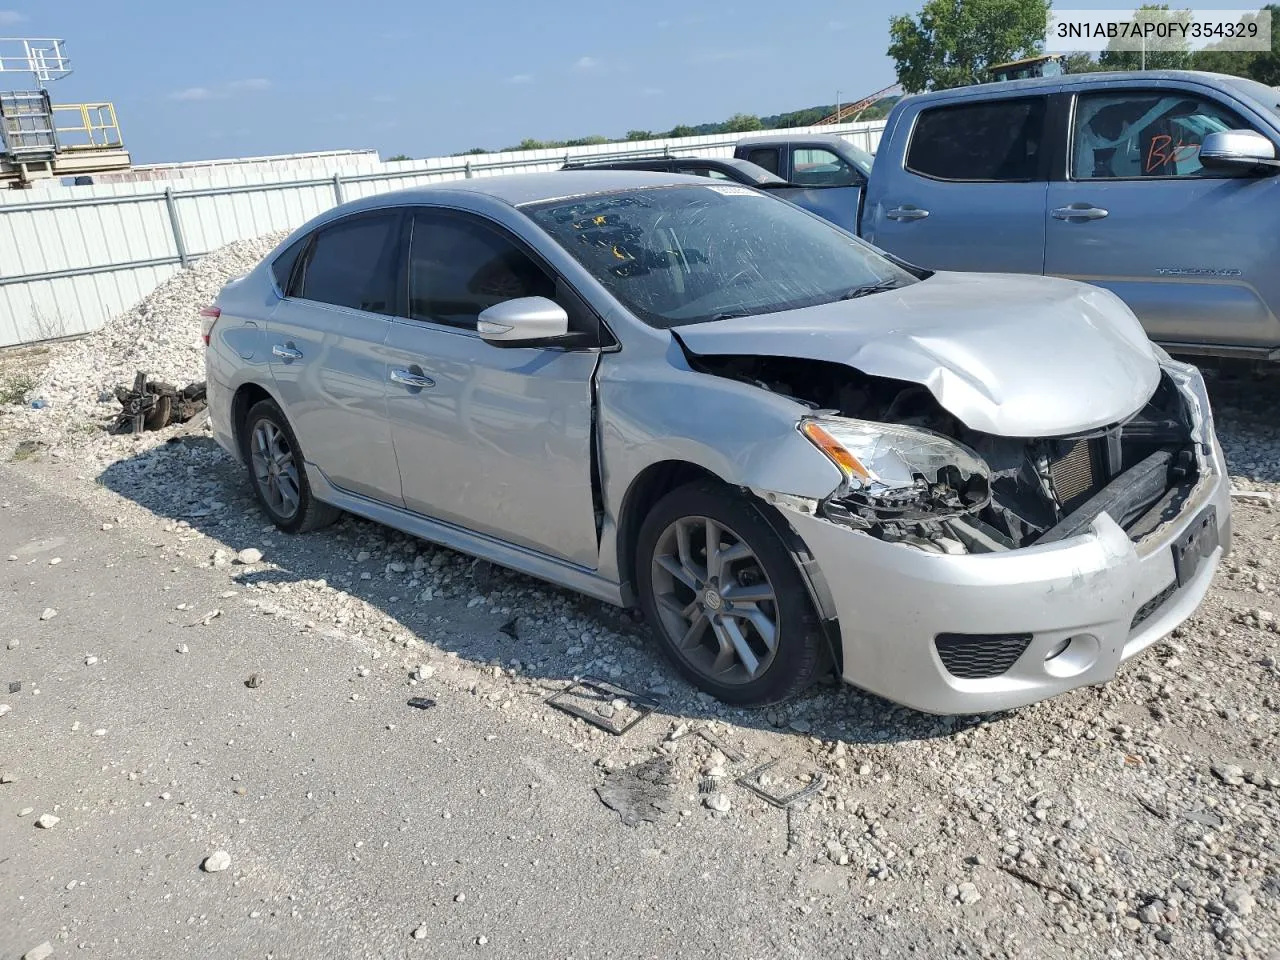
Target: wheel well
{"points": [[245, 397], [659, 479], [653, 483]]}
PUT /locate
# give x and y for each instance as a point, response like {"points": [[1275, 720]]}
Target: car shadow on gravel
{"points": [[1246, 407], [191, 482]]}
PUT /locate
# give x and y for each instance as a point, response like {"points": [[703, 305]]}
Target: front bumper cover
{"points": [[892, 601]]}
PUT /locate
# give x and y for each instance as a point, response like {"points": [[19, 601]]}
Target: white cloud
{"points": [[587, 63], [8, 17], [193, 93], [719, 56], [230, 89], [521, 78], [250, 85], [652, 91]]}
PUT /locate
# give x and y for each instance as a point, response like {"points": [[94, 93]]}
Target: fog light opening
{"points": [[1072, 656]]}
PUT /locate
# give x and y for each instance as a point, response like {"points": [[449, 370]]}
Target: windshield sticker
{"points": [[735, 191]]}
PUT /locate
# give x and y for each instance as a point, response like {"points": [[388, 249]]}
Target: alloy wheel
{"points": [[714, 600], [274, 468]]}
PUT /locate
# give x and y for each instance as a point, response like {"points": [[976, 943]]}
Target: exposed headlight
{"points": [[904, 473]]}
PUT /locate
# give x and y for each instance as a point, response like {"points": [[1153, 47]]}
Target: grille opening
{"points": [[979, 656], [1148, 609], [1079, 473]]}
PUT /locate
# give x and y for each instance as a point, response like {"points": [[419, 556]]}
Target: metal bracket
{"points": [[602, 691], [749, 781]]}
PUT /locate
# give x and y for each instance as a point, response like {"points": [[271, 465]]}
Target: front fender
{"points": [[655, 412]]}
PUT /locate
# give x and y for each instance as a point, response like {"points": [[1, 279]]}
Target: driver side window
{"points": [[459, 266], [818, 167], [1145, 133]]}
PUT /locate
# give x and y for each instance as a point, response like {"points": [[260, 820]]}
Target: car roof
{"points": [[1073, 80], [522, 188], [792, 138]]}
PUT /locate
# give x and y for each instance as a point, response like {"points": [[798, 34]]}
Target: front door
{"points": [[970, 191], [327, 360], [1192, 251], [494, 439], [824, 183]]}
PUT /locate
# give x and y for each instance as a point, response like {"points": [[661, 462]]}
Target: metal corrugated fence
{"points": [[72, 257]]}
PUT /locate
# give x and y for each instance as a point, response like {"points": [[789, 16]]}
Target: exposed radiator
{"points": [[1079, 473]]}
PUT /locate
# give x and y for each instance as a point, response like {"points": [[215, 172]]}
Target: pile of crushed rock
{"points": [[160, 334]]}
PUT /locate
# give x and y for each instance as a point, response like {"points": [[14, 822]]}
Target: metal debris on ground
{"points": [[596, 701], [153, 405], [732, 754], [421, 703], [771, 789], [15, 686], [644, 792], [708, 785], [254, 681]]}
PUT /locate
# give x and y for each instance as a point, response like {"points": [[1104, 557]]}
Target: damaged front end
{"points": [[915, 474]]}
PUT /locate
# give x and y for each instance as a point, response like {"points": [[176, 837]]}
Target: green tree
{"points": [[680, 130], [399, 156], [1263, 66], [742, 123], [641, 135], [1081, 62], [950, 43], [1172, 53]]}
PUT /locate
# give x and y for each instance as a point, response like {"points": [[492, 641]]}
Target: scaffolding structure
{"points": [[40, 138]]}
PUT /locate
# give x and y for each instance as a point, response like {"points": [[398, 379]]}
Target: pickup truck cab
{"points": [[1160, 186], [824, 173]]}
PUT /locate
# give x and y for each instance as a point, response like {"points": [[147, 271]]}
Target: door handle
{"points": [[285, 352], [411, 378], [907, 212], [1079, 212]]}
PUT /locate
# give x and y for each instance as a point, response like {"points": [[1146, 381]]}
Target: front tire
{"points": [[277, 471], [724, 596]]}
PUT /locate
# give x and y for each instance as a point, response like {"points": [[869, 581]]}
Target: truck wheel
{"points": [[278, 474], [724, 597]]}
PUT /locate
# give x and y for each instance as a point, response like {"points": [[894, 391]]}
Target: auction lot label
{"points": [[1094, 31]]}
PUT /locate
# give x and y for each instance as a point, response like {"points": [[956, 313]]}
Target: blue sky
{"points": [[428, 77], [240, 78]]}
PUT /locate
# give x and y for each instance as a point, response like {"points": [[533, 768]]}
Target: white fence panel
{"points": [[72, 257]]}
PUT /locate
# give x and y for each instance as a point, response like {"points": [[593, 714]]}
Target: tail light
{"points": [[208, 317]]}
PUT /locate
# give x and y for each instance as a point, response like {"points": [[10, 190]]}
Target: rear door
{"points": [[1194, 252], [498, 440], [965, 188], [327, 360]]}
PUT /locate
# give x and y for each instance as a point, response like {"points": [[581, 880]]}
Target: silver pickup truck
{"points": [[1160, 186]]}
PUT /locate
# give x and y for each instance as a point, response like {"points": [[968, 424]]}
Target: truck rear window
{"points": [[996, 140]]}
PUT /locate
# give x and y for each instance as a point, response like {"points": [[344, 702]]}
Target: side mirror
{"points": [[524, 322], [1240, 150]]}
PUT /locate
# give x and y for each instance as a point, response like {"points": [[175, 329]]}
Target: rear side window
{"points": [[997, 140], [766, 157], [354, 263], [282, 266]]}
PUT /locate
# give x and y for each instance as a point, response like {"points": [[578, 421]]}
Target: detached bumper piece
{"points": [[979, 656]]}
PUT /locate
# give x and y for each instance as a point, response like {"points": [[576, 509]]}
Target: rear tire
{"points": [[736, 619], [277, 471]]}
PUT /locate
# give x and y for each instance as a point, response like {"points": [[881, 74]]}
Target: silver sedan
{"points": [[794, 453]]}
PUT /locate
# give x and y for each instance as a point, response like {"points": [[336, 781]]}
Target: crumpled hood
{"points": [[1015, 356]]}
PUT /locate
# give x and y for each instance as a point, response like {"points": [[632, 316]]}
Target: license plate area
{"points": [[1198, 542]]}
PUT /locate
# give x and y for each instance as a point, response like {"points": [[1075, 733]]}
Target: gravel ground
{"points": [[1136, 819]]}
